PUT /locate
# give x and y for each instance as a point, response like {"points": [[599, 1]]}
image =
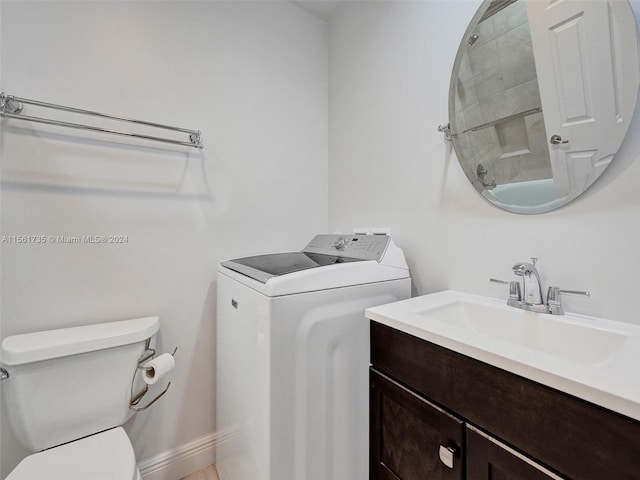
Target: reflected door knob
{"points": [[557, 139]]}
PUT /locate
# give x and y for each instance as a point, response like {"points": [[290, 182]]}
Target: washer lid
{"points": [[264, 267], [104, 456]]}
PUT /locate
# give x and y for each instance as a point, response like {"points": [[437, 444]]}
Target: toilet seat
{"points": [[104, 456]]}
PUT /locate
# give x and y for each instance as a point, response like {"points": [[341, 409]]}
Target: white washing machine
{"points": [[292, 381]]}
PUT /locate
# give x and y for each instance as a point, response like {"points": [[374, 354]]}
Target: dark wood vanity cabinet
{"points": [[499, 426]]}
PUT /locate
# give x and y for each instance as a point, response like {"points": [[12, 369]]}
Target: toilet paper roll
{"points": [[156, 368]]}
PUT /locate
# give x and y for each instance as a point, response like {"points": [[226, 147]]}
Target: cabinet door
{"points": [[490, 459], [410, 438]]}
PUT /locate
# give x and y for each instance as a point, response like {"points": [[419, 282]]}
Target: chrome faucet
{"points": [[531, 284], [531, 296]]}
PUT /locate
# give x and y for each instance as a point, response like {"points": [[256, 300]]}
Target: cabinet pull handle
{"points": [[447, 454]]}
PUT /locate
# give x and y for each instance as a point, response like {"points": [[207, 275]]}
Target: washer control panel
{"points": [[364, 247]]}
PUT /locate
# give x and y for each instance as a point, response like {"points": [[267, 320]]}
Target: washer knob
{"points": [[340, 244]]}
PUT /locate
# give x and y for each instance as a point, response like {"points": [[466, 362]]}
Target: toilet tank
{"points": [[69, 383]]}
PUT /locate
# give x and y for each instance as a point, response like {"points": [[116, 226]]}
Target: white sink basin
{"points": [[591, 358], [567, 336]]}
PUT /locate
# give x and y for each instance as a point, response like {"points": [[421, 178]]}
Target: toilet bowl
{"points": [[67, 394]]}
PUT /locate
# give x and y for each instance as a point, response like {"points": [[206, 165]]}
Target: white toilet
{"points": [[67, 394]]}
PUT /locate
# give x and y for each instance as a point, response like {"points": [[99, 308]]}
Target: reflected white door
{"points": [[588, 83]]}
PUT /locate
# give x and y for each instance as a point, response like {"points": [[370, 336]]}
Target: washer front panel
{"points": [[364, 247]]}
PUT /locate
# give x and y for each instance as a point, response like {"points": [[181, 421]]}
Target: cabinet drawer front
{"points": [[490, 459], [408, 434]]}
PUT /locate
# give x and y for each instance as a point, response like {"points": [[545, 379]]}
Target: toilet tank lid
{"points": [[38, 346]]}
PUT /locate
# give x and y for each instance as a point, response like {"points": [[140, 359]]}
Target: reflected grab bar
{"points": [[504, 119]]}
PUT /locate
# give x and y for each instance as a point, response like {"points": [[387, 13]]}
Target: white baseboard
{"points": [[181, 461]]}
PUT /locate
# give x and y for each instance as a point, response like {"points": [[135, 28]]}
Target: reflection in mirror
{"points": [[541, 97]]}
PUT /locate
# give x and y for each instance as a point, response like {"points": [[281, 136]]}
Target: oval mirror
{"points": [[541, 97]]}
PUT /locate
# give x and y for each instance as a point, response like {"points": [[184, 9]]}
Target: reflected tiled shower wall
{"points": [[497, 79]]}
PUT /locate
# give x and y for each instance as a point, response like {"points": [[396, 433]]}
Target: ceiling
{"points": [[320, 8]]}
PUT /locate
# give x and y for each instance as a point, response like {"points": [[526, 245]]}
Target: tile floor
{"points": [[208, 473]]}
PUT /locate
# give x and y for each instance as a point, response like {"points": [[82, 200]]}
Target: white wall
{"points": [[252, 76], [390, 64]]}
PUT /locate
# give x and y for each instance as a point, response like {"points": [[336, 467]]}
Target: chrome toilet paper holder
{"points": [[147, 355]]}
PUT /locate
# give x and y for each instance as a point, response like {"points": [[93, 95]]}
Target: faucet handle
{"points": [[576, 292], [554, 300], [514, 288], [554, 293]]}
